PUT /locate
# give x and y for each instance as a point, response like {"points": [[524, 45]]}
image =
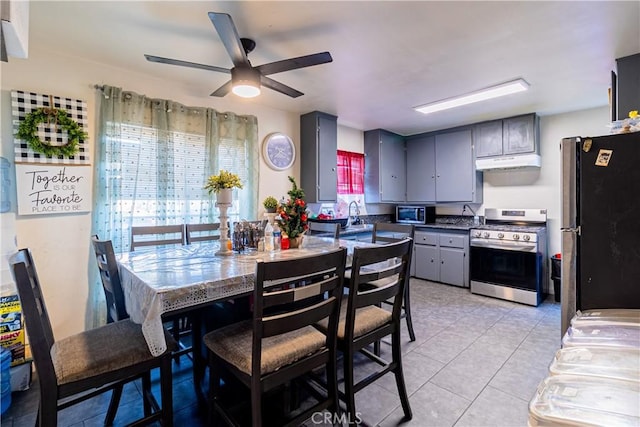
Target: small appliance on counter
{"points": [[415, 214]]}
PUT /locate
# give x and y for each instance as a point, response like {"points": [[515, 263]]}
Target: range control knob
{"points": [[500, 236], [486, 234], [478, 234], [516, 237], [526, 237]]}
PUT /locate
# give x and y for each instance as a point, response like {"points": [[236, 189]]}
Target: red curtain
{"points": [[350, 172]]}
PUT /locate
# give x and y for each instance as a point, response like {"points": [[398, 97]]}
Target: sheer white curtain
{"points": [[152, 159]]}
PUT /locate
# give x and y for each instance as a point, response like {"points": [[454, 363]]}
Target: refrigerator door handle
{"points": [[569, 148]]}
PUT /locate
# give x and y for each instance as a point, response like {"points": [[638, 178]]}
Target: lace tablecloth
{"points": [[164, 279]]}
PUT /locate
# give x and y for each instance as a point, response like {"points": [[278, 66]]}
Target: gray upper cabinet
{"points": [[318, 153], [488, 139], [441, 168], [519, 134], [455, 169], [384, 167], [514, 135], [421, 169]]}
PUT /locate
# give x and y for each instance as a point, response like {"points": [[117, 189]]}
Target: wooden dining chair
{"points": [[324, 228], [363, 321], [387, 232], [157, 235], [280, 343], [202, 232], [161, 235], [84, 365]]}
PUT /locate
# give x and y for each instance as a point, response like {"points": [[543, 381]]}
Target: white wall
{"points": [[60, 243]]}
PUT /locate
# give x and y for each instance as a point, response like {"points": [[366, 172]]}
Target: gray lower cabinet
{"points": [[384, 167], [441, 168], [318, 154], [442, 257]]}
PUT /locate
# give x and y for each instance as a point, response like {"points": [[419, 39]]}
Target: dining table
{"points": [[170, 279]]}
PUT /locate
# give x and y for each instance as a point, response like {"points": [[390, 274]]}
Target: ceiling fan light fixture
{"points": [[482, 95], [245, 82]]}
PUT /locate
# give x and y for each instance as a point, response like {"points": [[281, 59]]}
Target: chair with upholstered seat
{"points": [[280, 343], [157, 235], [92, 362], [333, 229], [363, 321]]}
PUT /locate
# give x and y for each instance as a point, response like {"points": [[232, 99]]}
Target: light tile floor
{"points": [[476, 362]]}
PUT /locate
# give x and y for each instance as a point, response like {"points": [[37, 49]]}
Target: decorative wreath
{"points": [[28, 131]]}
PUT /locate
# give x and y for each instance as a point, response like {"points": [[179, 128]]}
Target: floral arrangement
{"points": [[293, 215], [224, 179]]}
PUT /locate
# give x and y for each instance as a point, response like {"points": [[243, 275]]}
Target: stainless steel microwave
{"points": [[416, 214]]}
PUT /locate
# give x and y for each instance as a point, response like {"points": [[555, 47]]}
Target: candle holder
{"points": [[224, 229]]}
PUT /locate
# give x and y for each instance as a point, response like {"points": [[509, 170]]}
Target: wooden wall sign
{"points": [[47, 189]]}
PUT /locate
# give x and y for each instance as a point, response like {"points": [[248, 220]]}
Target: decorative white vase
{"points": [[224, 196]]}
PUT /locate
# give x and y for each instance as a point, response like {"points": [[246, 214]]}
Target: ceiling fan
{"points": [[245, 78]]}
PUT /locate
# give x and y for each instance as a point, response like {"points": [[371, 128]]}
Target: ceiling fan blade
{"points": [[295, 63], [229, 36], [170, 61], [223, 90], [279, 87]]}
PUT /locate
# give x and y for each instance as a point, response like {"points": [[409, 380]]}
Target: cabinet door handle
{"points": [[432, 260], [442, 262]]}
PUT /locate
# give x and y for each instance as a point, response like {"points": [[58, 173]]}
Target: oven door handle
{"points": [[510, 246]]}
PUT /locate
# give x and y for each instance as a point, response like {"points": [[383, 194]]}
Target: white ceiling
{"points": [[387, 56]]}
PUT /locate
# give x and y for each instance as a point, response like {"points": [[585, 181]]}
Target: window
{"points": [[162, 175], [153, 158], [350, 172]]}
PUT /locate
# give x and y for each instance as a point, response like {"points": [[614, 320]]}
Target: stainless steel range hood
{"points": [[520, 161]]}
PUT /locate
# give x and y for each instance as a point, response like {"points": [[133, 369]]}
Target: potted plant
{"points": [[223, 185], [293, 214], [270, 204]]}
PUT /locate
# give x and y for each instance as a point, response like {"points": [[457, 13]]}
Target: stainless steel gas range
{"points": [[508, 255]]}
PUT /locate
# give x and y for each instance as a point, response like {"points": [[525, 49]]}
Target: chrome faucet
{"points": [[357, 218]]}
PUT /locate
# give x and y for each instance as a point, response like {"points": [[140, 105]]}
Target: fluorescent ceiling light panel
{"points": [[481, 95]]}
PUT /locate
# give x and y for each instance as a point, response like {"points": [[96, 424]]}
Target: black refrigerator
{"points": [[600, 223]]}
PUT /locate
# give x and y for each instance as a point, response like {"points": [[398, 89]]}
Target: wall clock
{"points": [[278, 151]]}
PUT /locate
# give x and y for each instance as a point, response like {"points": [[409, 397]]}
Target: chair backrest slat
{"points": [[320, 274], [110, 277], [202, 232], [36, 317], [163, 235]]}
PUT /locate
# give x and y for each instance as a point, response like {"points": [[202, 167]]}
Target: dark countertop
{"points": [[444, 226], [450, 222]]}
